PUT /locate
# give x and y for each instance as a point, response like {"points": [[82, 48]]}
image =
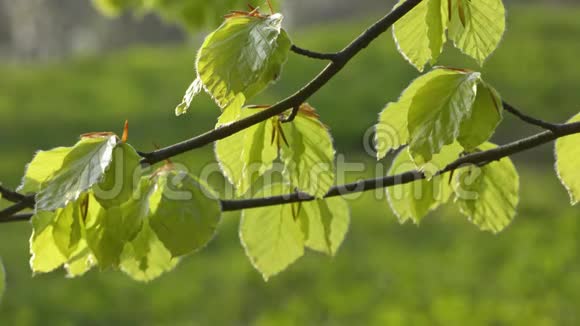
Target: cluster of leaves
{"points": [[440, 116], [96, 208], [475, 27], [192, 14]]}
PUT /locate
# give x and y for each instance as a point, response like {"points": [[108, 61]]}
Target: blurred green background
{"points": [[444, 272]]}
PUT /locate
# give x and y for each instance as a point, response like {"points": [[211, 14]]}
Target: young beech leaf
{"points": [[437, 111], [109, 229], [275, 237], [81, 262], [413, 201], [83, 167], [568, 162], [244, 55], [324, 223], [487, 113], [192, 91], [43, 166], [57, 239], [104, 234], [121, 177], [488, 195], [477, 26], [247, 155], [272, 236], [304, 145], [146, 258], [420, 34], [308, 156], [392, 132], [184, 212]]}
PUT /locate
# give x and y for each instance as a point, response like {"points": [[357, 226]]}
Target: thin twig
{"points": [[528, 119], [10, 195], [314, 55], [14, 209], [292, 115]]}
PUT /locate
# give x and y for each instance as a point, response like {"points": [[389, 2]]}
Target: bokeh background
{"points": [[66, 70]]}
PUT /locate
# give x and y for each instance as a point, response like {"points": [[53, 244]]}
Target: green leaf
{"points": [[109, 229], [324, 223], [477, 27], [43, 166], [567, 162], [438, 110], [392, 131], [46, 255], [185, 214], [413, 201], [2, 280], [247, 155], [104, 234], [121, 178], [68, 227], [244, 55], [488, 195], [420, 34], [308, 156], [272, 237], [83, 167], [145, 258], [81, 262], [487, 113], [192, 91]]}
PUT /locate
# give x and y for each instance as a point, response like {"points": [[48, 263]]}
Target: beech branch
{"points": [[478, 158], [312, 54], [528, 119], [340, 60]]}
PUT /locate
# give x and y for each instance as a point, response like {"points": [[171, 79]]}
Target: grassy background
{"points": [[443, 273]]}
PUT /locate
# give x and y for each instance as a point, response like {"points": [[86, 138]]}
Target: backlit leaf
{"points": [[487, 113], [309, 155], [145, 258], [438, 110], [413, 201], [392, 131], [43, 166], [186, 215], [324, 223], [568, 161], [488, 195], [83, 167], [120, 179], [244, 55], [247, 155], [477, 27], [271, 236]]}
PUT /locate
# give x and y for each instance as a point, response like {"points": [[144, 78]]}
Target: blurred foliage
{"points": [[442, 273], [192, 14]]}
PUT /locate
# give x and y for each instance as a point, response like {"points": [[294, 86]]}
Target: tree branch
{"points": [[312, 54], [10, 195], [479, 158], [528, 119], [341, 59], [9, 212]]}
